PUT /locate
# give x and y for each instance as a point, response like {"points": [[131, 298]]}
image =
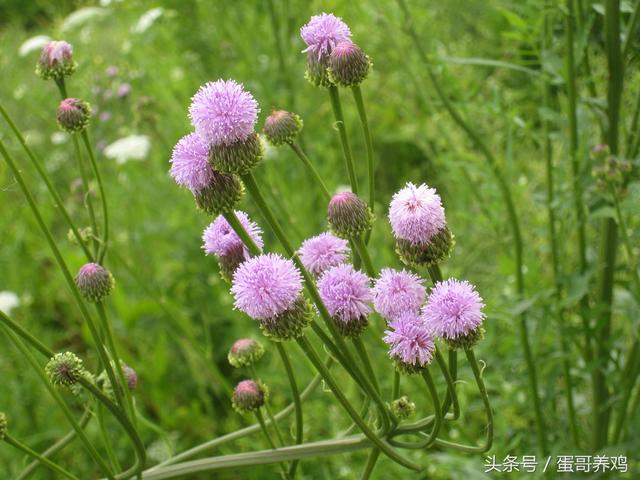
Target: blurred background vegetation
{"points": [[172, 312]]}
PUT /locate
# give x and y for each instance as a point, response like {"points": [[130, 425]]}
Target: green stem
{"points": [[115, 465], [33, 341], [344, 139], [314, 173], [630, 373], [631, 31], [364, 358], [56, 447], [357, 95], [512, 215], [436, 406], [337, 391], [452, 396], [88, 203], [103, 198], [371, 463], [45, 177], [395, 393], [234, 222], [263, 426], [361, 248], [45, 461]]}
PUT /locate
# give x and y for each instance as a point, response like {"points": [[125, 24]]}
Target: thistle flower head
{"points": [[454, 312], [130, 376], [347, 296], [402, 408], [64, 369], [73, 115], [397, 292], [323, 33], [348, 215], [221, 239], [411, 343], [190, 165], [282, 127], [223, 112], [265, 286], [94, 282], [4, 427], [56, 60], [348, 64], [323, 251], [249, 396], [221, 194], [416, 214], [245, 352]]}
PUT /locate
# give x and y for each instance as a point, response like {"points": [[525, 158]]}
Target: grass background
{"points": [[172, 312]]}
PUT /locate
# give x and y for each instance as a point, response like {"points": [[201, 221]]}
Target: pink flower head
{"points": [[221, 239], [322, 252], [345, 292], [223, 112], [123, 90], [395, 293], [55, 53], [410, 341], [265, 286], [416, 213], [189, 165], [322, 33], [454, 309]]}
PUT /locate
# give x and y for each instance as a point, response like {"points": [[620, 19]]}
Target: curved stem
{"points": [[337, 391], [314, 173], [103, 198], [344, 139], [43, 460], [357, 95], [436, 406], [45, 178]]}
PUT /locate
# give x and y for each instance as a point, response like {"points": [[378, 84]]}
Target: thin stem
{"points": [[297, 402], [344, 139], [314, 173], [234, 222], [361, 248], [88, 202], [364, 358], [337, 391], [371, 463], [395, 393], [254, 373], [631, 31], [452, 396], [45, 461], [115, 466], [45, 177], [33, 341], [436, 406], [263, 426], [630, 373], [103, 198], [357, 95], [512, 215]]}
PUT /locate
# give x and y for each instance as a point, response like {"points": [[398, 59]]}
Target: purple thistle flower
{"points": [[416, 214], [189, 165], [410, 341], [322, 33], [265, 286], [220, 239], [56, 52], [124, 90], [454, 309], [322, 252], [223, 112], [395, 293], [346, 293]]}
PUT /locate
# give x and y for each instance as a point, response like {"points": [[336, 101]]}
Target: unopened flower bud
{"points": [[290, 323], [282, 127], [348, 64], [249, 396], [65, 369], [238, 157], [348, 215], [129, 374], [3, 425], [402, 408], [85, 235], [222, 194], [316, 72], [94, 282], [611, 173], [245, 352], [230, 262], [56, 60], [73, 115]]}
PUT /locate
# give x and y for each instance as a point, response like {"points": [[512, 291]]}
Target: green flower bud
{"points": [[348, 65], [348, 215], [239, 157], [291, 323], [221, 195], [65, 369], [94, 282], [245, 352], [282, 127], [426, 254], [402, 408], [249, 396], [73, 115]]}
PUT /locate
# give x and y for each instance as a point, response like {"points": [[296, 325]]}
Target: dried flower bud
{"points": [[290, 323], [402, 408], [349, 215], [222, 194], [3, 425], [249, 396], [94, 282], [238, 157], [65, 369], [73, 115], [56, 60], [348, 64], [282, 127], [245, 352]]}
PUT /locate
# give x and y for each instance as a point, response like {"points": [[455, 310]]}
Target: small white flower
{"points": [[81, 16], [147, 19], [133, 147], [32, 44], [8, 301]]}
